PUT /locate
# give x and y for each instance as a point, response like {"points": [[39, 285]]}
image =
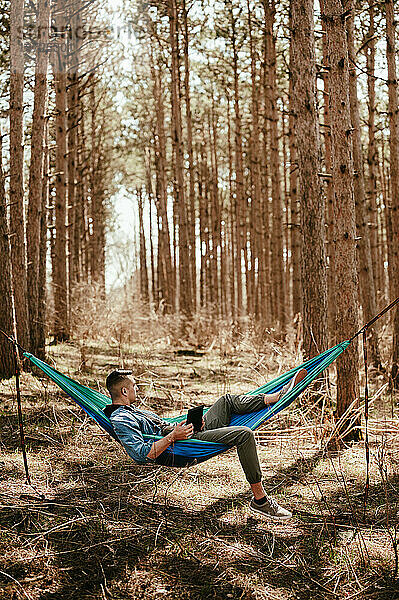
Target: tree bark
{"points": [[240, 217], [191, 202], [97, 175], [185, 284], [256, 253], [17, 216], [165, 267], [346, 280], [312, 200], [144, 293], [394, 172], [60, 283], [7, 365], [72, 115], [329, 189], [265, 273], [277, 221], [232, 212], [41, 303], [367, 284], [33, 232], [150, 196], [294, 193], [372, 157]]}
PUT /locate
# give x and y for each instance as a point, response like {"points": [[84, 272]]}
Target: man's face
{"points": [[128, 389]]}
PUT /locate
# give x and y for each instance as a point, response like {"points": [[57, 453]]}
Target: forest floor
{"points": [[108, 529]]}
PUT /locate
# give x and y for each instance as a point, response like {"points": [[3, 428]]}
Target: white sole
{"points": [[265, 516], [293, 383]]}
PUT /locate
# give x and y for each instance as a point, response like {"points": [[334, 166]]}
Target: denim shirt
{"points": [[130, 424]]}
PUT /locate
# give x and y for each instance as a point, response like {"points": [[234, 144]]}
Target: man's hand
{"points": [[182, 432]]}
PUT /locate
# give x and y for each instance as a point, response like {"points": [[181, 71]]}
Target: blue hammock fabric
{"points": [[187, 452]]}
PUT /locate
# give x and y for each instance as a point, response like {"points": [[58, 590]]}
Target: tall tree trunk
{"points": [[240, 217], [83, 171], [255, 170], [329, 188], [287, 254], [294, 195], [346, 280], [312, 201], [191, 203], [202, 226], [166, 289], [41, 302], [72, 115], [214, 212], [7, 366], [150, 200], [60, 283], [185, 285], [36, 171], [97, 173], [17, 217], [277, 221], [232, 212], [78, 167], [265, 273], [366, 277], [144, 293], [394, 172], [387, 218], [372, 158]]}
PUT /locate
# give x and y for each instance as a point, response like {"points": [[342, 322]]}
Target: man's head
{"points": [[122, 387]]}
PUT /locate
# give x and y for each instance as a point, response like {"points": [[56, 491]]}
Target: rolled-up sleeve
{"points": [[132, 440]]}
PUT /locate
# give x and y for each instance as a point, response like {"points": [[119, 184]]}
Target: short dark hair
{"points": [[116, 378]]}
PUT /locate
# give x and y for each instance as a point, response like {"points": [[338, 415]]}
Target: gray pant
{"points": [[217, 429]]}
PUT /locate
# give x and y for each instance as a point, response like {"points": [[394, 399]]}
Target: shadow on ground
{"points": [[102, 539]]}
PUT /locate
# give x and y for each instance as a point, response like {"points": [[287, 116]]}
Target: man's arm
{"points": [[131, 438], [180, 432]]}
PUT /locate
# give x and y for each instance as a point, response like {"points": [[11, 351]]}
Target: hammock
{"points": [[187, 452]]}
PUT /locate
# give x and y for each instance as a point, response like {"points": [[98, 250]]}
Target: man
{"points": [[130, 423]]}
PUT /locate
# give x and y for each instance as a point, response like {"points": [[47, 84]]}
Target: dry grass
{"points": [[108, 529]]}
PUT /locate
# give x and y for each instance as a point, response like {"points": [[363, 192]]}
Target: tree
{"points": [[312, 200], [144, 293], [394, 169], [165, 271], [60, 284], [277, 221], [36, 169], [293, 192], [7, 366], [346, 280], [366, 276], [186, 300], [17, 216]]}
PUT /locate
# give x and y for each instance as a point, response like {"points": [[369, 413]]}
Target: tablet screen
{"points": [[194, 416]]}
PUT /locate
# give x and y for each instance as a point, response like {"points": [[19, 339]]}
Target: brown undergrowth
{"points": [[108, 529]]}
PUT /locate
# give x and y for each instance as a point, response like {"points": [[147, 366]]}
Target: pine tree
{"points": [[7, 366], [36, 170], [17, 216], [346, 280], [393, 108], [312, 200]]}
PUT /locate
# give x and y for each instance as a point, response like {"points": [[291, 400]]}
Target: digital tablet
{"points": [[194, 416]]}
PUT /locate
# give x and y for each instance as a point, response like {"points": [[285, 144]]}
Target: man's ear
{"points": [[124, 391]]}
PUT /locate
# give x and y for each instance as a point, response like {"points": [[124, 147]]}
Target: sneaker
{"points": [[298, 377], [270, 509]]}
